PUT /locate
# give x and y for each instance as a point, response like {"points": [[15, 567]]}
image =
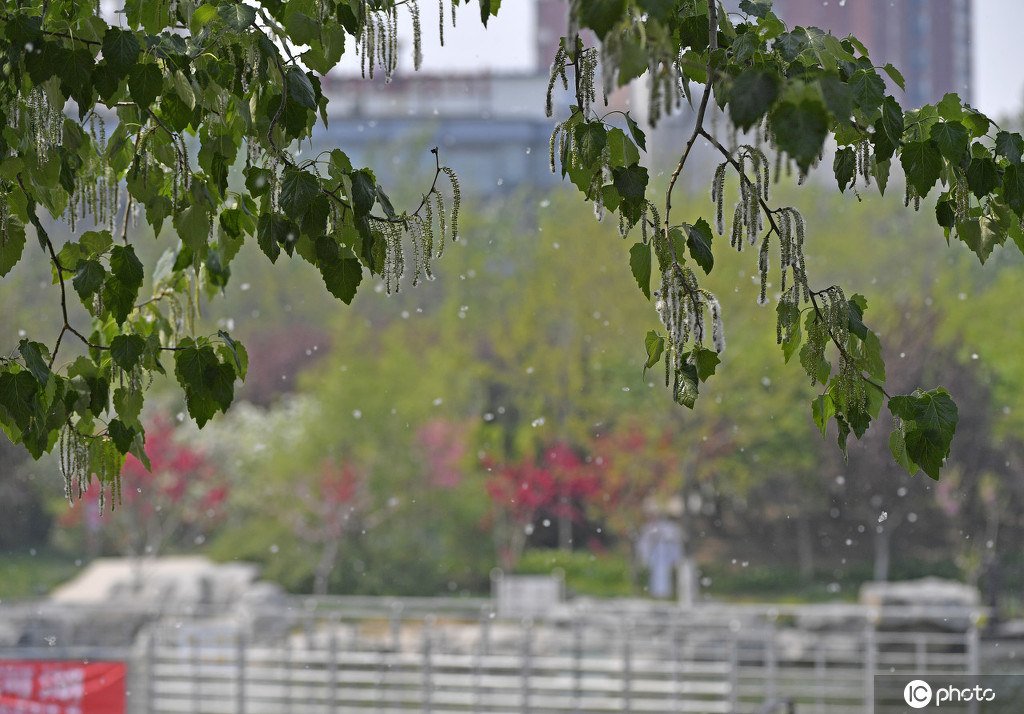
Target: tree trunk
{"points": [[324, 568]]}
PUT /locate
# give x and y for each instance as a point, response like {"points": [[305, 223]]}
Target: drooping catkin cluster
{"points": [[863, 154], [960, 193], [46, 123], [80, 457], [910, 195], [96, 193], [792, 231], [558, 66], [666, 94], [747, 220], [378, 43], [681, 304], [426, 243]]}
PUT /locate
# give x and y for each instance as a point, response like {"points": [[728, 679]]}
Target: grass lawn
{"points": [[25, 575]]}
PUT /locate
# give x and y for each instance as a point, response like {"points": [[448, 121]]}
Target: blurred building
{"points": [[928, 41]]}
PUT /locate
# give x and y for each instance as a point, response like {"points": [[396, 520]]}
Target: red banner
{"points": [[41, 687]]}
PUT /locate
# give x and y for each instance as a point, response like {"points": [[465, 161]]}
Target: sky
{"points": [[997, 44]]}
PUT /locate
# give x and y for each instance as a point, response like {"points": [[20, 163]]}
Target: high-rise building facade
{"points": [[928, 41]]}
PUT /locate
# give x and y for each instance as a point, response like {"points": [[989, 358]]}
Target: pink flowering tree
{"points": [[175, 503]]}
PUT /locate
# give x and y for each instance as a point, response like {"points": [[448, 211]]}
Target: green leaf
{"points": [[300, 89], [238, 16], [121, 288], [640, 264], [898, 448], [685, 389], [88, 279], [341, 270], [121, 434], [1010, 146], [950, 108], [126, 350], [751, 96], [895, 76], [145, 82], [590, 139], [655, 345], [868, 90], [128, 405], [837, 95], [636, 132], [12, 245], [756, 8], [238, 353], [922, 163], [822, 409], [706, 361], [621, 151], [952, 138], [845, 167], [929, 422], [601, 15], [364, 192], [980, 235], [983, 177], [298, 189], [35, 355], [800, 130], [630, 181], [698, 240], [1013, 188], [120, 50], [18, 394], [945, 215], [892, 120], [209, 384]]}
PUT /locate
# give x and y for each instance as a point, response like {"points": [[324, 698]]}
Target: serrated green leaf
{"points": [[929, 422], [630, 181], [640, 264], [589, 139], [868, 90], [895, 76], [126, 350], [751, 96], [621, 151], [706, 361], [845, 167], [121, 287], [35, 356], [655, 345], [636, 132], [300, 89], [209, 384], [1013, 188], [601, 15], [698, 240], [892, 120], [983, 176], [121, 434], [838, 96], [952, 139], [12, 245], [121, 50], [1010, 146], [364, 192], [898, 448], [18, 398], [145, 82], [128, 405], [980, 235], [800, 130], [822, 409], [340, 268], [922, 164], [238, 16], [298, 189]]}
